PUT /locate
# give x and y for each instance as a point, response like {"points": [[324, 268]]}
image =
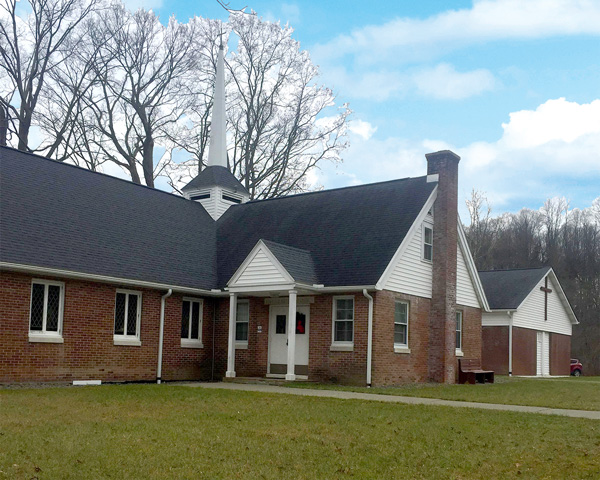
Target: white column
{"points": [[231, 345], [291, 353]]}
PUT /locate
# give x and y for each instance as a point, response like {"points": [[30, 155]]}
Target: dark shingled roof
{"points": [[506, 289], [216, 175], [352, 233], [65, 217], [297, 262]]}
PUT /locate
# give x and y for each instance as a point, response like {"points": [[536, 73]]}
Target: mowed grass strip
{"points": [[149, 431], [581, 393]]}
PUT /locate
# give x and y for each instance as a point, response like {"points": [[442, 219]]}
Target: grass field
{"points": [[581, 393], [150, 431]]}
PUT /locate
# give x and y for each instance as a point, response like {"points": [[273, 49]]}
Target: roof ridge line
{"points": [[514, 269], [333, 189]]}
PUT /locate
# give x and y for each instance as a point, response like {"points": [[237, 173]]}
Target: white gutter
{"points": [[17, 267], [369, 337], [161, 333]]}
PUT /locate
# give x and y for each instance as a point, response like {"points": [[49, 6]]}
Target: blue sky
{"points": [[512, 86]]}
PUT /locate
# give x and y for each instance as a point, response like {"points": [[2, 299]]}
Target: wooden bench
{"points": [[469, 371]]}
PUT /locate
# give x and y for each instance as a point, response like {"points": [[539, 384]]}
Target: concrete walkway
{"points": [[344, 395]]}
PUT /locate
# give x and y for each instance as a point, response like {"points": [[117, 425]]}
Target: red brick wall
{"points": [[524, 351], [88, 351], [339, 367], [391, 368], [560, 354], [495, 349]]}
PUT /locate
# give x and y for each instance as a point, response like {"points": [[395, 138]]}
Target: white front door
{"points": [[278, 324], [543, 354]]}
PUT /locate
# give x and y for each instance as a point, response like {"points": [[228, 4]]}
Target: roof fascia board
{"points": [[105, 279], [274, 287], [564, 299], [407, 239], [260, 245], [466, 251], [346, 288]]}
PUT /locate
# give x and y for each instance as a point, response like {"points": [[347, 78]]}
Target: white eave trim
{"points": [[463, 244], [407, 239], [564, 299], [106, 279]]}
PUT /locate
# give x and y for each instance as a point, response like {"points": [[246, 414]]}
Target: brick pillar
{"points": [[441, 360]]}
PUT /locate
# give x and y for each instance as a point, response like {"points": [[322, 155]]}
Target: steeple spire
{"points": [[217, 150]]}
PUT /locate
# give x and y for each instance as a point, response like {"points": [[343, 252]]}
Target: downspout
{"points": [[510, 342], [369, 336], [161, 334], [214, 320]]}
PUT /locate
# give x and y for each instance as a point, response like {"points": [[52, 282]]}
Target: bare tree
{"points": [[142, 73], [482, 230], [29, 50], [277, 123]]}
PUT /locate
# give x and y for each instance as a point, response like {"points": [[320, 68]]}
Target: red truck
{"points": [[576, 367]]}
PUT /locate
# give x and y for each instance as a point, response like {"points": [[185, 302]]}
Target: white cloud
{"points": [[486, 20], [361, 128], [445, 83], [441, 82], [290, 12], [554, 120], [133, 5], [542, 153]]}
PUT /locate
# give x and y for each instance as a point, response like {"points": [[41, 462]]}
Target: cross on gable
{"points": [[546, 291]]}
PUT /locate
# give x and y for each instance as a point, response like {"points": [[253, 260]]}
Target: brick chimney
{"points": [[441, 360]]}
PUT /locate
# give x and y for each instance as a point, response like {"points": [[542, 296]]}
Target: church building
{"points": [[103, 279]]}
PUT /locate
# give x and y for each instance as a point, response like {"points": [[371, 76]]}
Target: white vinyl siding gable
{"points": [[261, 270], [465, 290], [531, 313], [411, 274]]}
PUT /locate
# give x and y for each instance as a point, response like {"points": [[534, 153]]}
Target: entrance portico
{"points": [[288, 333]]}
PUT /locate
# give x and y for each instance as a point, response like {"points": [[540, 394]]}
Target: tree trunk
{"points": [[3, 125]]}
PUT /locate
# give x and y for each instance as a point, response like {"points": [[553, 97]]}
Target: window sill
{"points": [[401, 349], [127, 342], [459, 353], [241, 345], [187, 343], [45, 338], [341, 347]]}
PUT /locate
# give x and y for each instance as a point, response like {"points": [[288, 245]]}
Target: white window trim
{"points": [[402, 347], [42, 335], [424, 226], [342, 346], [193, 342], [242, 344], [458, 351], [124, 339]]}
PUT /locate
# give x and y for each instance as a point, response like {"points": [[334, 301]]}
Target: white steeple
{"points": [[215, 187], [217, 149]]}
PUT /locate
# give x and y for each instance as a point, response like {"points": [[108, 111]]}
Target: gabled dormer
{"points": [[215, 187]]}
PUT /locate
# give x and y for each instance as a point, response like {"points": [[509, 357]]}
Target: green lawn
{"points": [[150, 431], [581, 393]]}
